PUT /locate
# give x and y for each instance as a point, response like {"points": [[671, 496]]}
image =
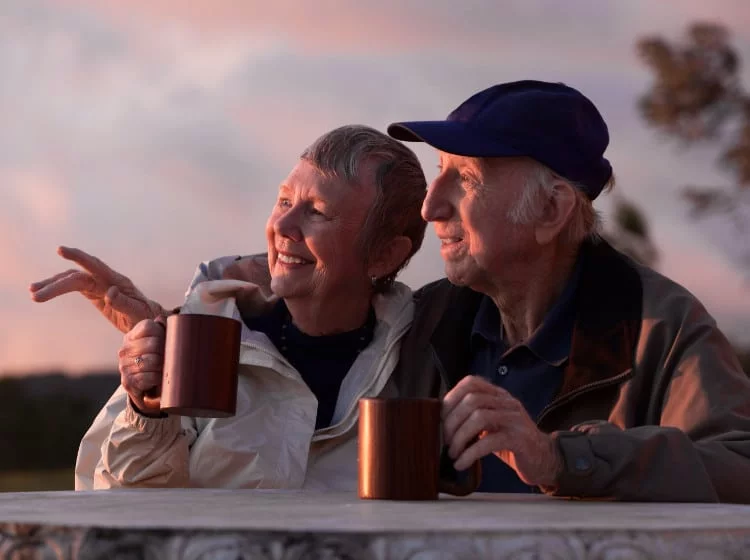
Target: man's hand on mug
{"points": [[141, 364], [113, 294], [475, 408]]}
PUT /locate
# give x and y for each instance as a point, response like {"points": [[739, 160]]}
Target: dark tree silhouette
{"points": [[697, 96], [628, 232]]}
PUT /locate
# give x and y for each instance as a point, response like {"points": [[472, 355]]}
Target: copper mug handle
{"points": [[471, 479]]}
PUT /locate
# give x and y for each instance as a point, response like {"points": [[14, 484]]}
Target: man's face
{"points": [[468, 203], [313, 235]]}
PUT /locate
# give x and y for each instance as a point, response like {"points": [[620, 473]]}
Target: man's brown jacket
{"points": [[654, 405]]}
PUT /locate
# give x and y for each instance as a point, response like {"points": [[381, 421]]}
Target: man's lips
{"points": [[450, 239]]}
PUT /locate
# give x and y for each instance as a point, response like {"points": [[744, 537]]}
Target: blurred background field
{"points": [[36, 480], [42, 420]]}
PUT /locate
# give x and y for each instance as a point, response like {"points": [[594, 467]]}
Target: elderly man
{"points": [[592, 376]]}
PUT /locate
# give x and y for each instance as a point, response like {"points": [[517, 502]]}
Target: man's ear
{"points": [[389, 257], [556, 213]]}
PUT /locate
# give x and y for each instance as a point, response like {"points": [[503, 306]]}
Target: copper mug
{"points": [[400, 451], [201, 363]]}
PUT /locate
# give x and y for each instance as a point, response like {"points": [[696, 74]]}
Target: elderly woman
{"points": [[346, 220]]}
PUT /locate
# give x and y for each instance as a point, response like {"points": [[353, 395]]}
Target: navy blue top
{"points": [[531, 371], [322, 361]]}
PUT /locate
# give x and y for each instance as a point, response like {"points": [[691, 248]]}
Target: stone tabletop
{"points": [[270, 510], [274, 524]]}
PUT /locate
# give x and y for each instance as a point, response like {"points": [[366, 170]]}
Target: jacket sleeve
{"points": [[125, 449], [698, 446]]}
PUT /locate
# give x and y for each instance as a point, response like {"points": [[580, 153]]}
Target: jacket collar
{"points": [[610, 296], [607, 324]]}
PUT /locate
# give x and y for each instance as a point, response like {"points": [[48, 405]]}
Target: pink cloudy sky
{"points": [[154, 135]]}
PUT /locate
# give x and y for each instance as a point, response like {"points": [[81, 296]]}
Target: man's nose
{"points": [[436, 206]]}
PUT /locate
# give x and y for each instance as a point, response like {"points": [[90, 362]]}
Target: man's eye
{"points": [[316, 212], [284, 202]]}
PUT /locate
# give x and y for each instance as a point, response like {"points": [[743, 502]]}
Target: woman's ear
{"points": [[556, 214], [389, 257]]}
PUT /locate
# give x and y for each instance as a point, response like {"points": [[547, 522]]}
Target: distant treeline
{"points": [[44, 416]]}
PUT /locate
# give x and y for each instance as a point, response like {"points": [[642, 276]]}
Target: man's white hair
{"points": [[585, 222]]}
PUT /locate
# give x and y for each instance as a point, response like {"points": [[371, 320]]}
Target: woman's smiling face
{"points": [[314, 235]]}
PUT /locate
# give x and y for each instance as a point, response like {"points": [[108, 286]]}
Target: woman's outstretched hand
{"points": [[112, 293]]}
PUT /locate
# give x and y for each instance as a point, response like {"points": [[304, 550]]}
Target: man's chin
{"points": [[456, 275]]}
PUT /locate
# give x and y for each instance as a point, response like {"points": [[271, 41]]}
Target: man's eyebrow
{"points": [[470, 164]]}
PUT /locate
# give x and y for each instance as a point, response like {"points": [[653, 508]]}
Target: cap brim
{"points": [[452, 137]]}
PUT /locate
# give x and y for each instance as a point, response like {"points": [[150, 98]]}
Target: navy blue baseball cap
{"points": [[550, 122]]}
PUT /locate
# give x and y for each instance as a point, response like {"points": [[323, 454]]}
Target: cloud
{"points": [[41, 198]]}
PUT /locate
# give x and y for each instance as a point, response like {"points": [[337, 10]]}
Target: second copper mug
{"points": [[399, 451], [201, 363]]}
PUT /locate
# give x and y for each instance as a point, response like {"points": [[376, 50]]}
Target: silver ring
{"points": [[138, 360]]}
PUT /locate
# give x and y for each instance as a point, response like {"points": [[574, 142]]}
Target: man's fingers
{"points": [[219, 290], [88, 262], [469, 384], [481, 448], [250, 269], [70, 281], [464, 409], [254, 301], [479, 421]]}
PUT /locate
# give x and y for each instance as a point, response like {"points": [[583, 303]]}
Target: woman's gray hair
{"points": [[585, 223], [399, 180]]}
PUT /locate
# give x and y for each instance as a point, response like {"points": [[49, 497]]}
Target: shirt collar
{"points": [[551, 341], [487, 324]]}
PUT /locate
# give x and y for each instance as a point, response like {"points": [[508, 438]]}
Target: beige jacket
{"points": [[270, 443]]}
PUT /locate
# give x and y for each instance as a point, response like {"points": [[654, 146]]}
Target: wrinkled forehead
{"points": [[309, 181], [488, 165]]}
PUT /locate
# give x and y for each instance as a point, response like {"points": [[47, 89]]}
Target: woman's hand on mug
{"points": [[141, 362]]}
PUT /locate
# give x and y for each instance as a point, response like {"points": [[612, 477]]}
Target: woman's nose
{"points": [[287, 224]]}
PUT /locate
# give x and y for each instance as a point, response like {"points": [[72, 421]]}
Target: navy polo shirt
{"points": [[532, 371]]}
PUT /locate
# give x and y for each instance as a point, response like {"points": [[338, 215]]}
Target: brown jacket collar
{"points": [[609, 298]]}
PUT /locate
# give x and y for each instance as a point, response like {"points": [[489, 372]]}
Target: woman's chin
{"points": [[284, 288]]}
